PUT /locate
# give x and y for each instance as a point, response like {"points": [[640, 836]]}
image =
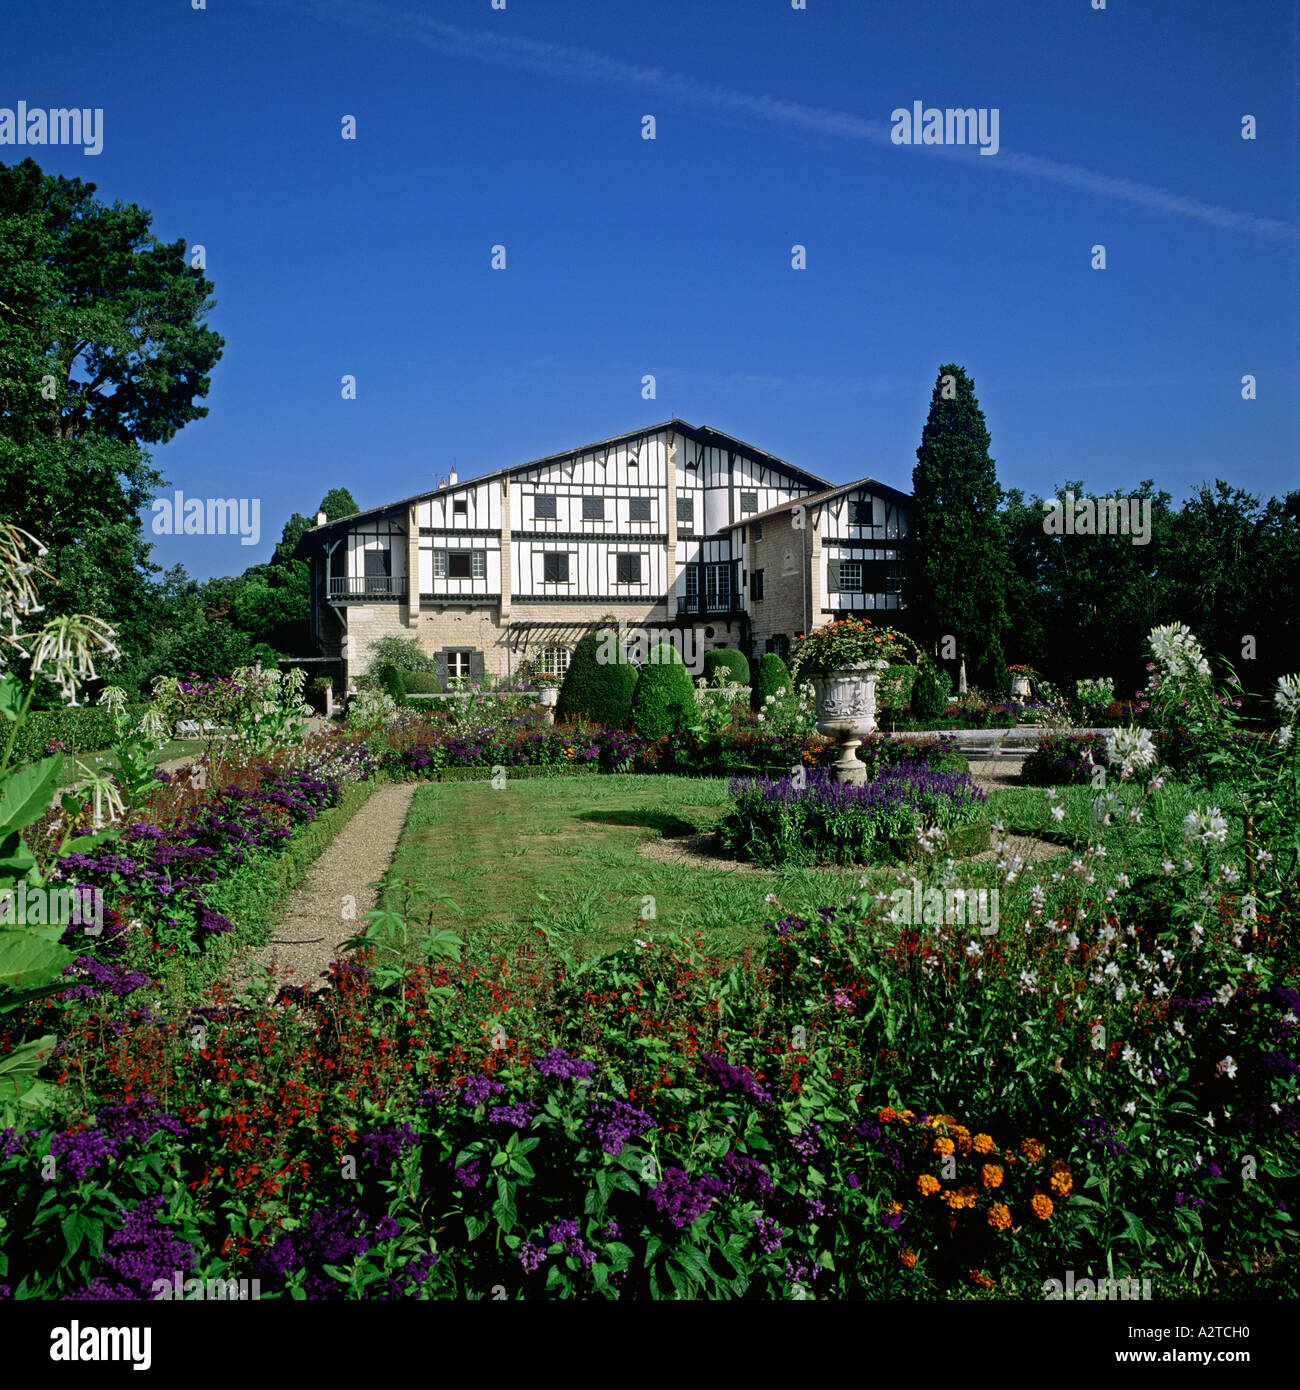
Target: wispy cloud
{"points": [[569, 62]]}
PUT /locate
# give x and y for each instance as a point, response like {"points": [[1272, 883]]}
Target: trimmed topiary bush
{"points": [[664, 699], [736, 665], [597, 687], [773, 677], [421, 683], [930, 692]]}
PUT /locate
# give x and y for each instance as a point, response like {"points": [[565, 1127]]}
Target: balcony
{"points": [[369, 588]]}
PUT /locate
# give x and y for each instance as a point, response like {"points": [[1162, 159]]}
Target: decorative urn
{"points": [[846, 713], [1020, 688]]}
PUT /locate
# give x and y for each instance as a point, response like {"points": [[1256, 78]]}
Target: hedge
{"points": [[422, 683], [83, 729]]}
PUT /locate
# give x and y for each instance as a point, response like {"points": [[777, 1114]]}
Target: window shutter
{"points": [[476, 665], [832, 576]]}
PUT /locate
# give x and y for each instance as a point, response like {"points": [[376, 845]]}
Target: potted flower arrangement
{"points": [[1021, 681], [844, 659]]}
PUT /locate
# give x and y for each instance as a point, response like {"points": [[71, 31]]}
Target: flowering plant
{"points": [[846, 642]]}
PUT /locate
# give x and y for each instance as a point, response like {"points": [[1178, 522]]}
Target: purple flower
{"points": [[469, 1176], [517, 1116], [384, 1146], [531, 1256], [479, 1088], [568, 1234], [83, 1151], [141, 1252], [332, 1236], [557, 1065], [732, 1078], [613, 1122], [745, 1176], [768, 1234], [681, 1199]]}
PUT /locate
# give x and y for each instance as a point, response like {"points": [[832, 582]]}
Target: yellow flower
{"points": [[999, 1216], [927, 1184], [1062, 1182], [908, 1257], [1041, 1205], [944, 1147], [983, 1144], [991, 1175], [893, 1208]]}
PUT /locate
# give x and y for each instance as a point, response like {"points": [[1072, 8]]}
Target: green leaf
{"points": [[27, 1058], [16, 860], [26, 795], [28, 962]]}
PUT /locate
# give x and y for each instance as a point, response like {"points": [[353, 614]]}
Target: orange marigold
{"points": [[927, 1184], [1000, 1216], [983, 1144], [893, 1208], [991, 1175], [1062, 1182], [1041, 1205], [1032, 1150], [908, 1257], [980, 1279], [886, 1113], [944, 1147]]}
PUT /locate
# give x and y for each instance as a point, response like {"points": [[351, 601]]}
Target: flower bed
{"points": [[813, 819]]}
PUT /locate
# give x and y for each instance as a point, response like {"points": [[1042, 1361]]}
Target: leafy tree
{"points": [[736, 664], [294, 530], [336, 503], [103, 351], [957, 561]]}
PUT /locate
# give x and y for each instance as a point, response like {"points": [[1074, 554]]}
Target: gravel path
{"points": [[311, 924]]}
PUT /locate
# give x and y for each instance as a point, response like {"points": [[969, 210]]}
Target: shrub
{"points": [[392, 683], [402, 652], [421, 683], [930, 692], [664, 699], [596, 687], [894, 687], [1064, 760], [81, 729], [736, 664], [773, 678]]}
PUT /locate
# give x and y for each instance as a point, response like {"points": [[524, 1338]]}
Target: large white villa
{"points": [[674, 526]]}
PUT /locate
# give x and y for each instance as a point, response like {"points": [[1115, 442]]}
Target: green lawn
{"points": [[103, 758], [561, 853]]}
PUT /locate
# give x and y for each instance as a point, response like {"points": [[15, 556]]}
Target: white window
{"points": [[458, 665], [850, 577], [554, 661]]}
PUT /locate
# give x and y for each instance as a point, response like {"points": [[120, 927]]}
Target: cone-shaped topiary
{"points": [[599, 682], [664, 699], [734, 663], [421, 683], [773, 677], [391, 681]]}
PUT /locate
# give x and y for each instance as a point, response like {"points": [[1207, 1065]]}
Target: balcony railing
{"points": [[372, 586]]}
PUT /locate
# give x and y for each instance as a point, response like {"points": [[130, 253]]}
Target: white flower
{"points": [[1072, 941], [1287, 696], [1130, 1108], [1058, 813], [1028, 979], [636, 941], [1130, 748], [1205, 827], [1227, 1067], [973, 949], [1180, 1028], [771, 897], [1177, 650]]}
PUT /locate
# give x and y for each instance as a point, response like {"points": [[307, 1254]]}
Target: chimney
{"points": [[320, 518], [451, 477]]}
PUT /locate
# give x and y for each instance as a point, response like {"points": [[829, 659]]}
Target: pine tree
{"points": [[957, 558]]}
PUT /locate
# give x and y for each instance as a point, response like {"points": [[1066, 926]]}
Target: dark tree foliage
{"points": [[736, 664], [664, 699], [957, 563], [772, 678], [595, 689]]}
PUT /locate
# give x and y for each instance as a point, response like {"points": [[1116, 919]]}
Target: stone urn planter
{"points": [[548, 696], [1020, 689], [846, 713]]}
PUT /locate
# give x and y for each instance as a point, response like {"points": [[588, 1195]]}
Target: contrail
{"points": [[565, 61]]}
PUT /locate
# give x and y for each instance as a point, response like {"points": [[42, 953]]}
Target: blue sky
{"points": [[673, 257]]}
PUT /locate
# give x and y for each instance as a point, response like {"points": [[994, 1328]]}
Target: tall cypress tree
{"points": [[957, 558]]}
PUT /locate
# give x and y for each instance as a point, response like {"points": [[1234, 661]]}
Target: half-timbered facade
{"points": [[657, 529]]}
